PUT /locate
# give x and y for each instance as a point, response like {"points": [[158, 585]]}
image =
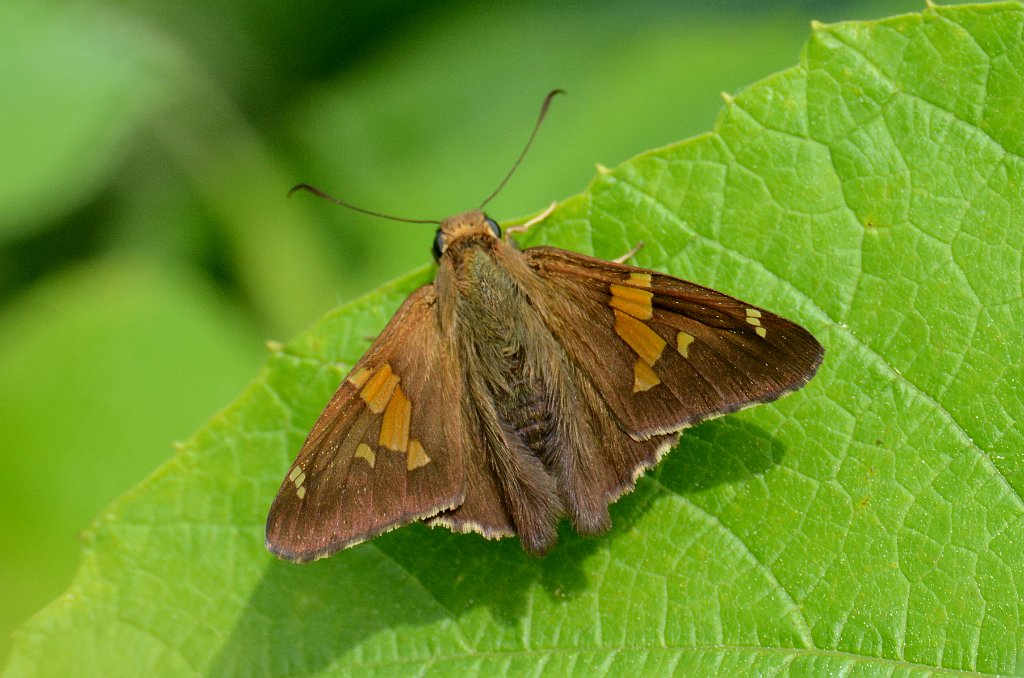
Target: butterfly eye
{"points": [[495, 229], [438, 245]]}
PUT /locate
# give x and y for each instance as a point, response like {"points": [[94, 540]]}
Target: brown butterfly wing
{"points": [[483, 509], [664, 353], [386, 451]]}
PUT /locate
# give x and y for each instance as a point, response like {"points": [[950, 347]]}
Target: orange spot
{"points": [[359, 377], [683, 341], [417, 457], [378, 390], [644, 377], [640, 279], [394, 429], [364, 451], [754, 318], [644, 341], [631, 300]]}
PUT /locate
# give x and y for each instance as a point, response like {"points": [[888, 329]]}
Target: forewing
{"points": [[664, 353], [388, 448]]}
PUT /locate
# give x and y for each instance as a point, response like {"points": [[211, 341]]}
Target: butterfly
{"points": [[522, 387]]}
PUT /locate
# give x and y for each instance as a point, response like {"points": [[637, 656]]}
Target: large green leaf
{"points": [[79, 424], [872, 523]]}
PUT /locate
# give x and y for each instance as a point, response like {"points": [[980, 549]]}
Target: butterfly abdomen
{"points": [[505, 380], [524, 407], [520, 434]]}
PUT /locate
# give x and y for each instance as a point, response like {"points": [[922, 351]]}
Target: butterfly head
{"points": [[466, 228]]}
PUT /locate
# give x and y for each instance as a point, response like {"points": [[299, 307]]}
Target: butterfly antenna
{"points": [[529, 142], [321, 194]]}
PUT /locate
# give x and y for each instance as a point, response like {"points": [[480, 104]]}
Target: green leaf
{"points": [[80, 425], [871, 523]]}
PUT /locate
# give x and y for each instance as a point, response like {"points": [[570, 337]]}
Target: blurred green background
{"points": [[147, 249]]}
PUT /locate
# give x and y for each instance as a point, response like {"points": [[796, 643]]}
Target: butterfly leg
{"points": [[629, 255], [522, 228]]}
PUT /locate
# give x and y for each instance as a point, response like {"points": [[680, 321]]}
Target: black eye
{"points": [[494, 226], [438, 245]]}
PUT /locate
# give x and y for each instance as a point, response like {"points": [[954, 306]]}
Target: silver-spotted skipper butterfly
{"points": [[521, 387]]}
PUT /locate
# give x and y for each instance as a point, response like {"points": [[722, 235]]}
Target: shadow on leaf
{"points": [[303, 618]]}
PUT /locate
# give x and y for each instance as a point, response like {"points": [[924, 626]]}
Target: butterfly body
{"points": [[521, 387], [522, 391]]}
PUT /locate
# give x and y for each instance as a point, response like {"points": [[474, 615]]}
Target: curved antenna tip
{"points": [[309, 188], [529, 142], [303, 187]]}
